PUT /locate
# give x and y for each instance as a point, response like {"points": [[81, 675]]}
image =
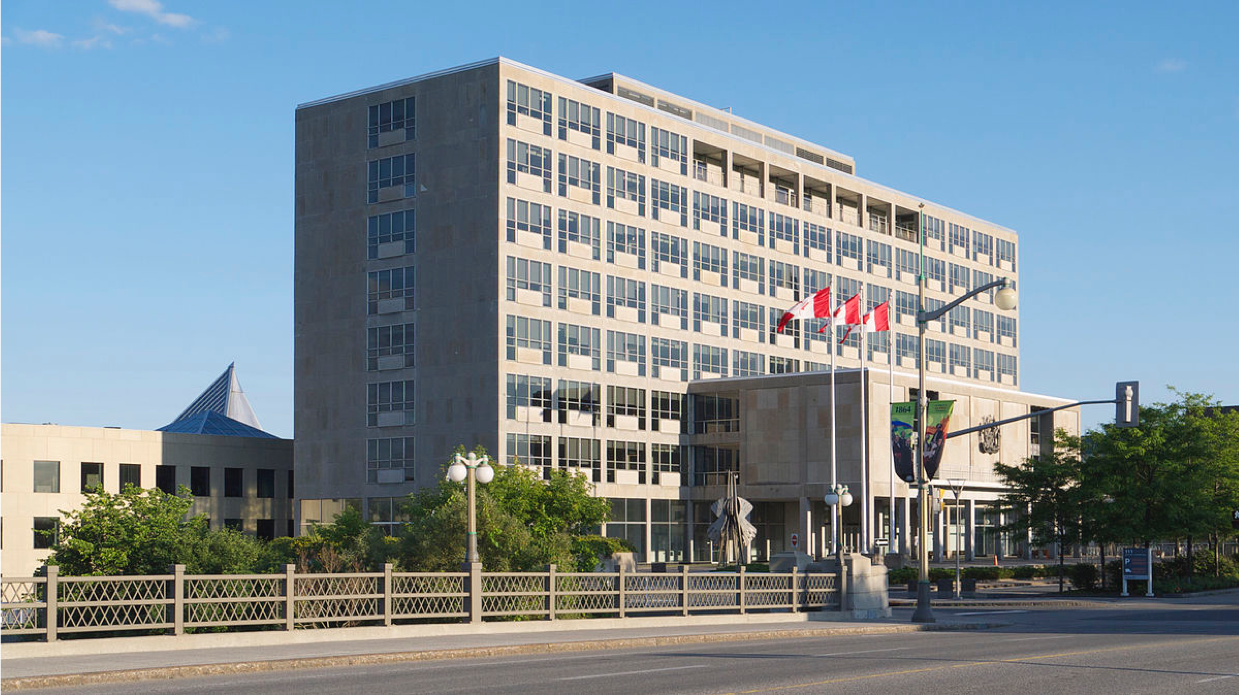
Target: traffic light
{"points": [[1127, 403]]}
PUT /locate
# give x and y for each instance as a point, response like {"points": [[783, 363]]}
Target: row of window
{"points": [[47, 479], [622, 461]]}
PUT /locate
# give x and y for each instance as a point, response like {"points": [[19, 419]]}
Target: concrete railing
{"points": [[53, 605]]}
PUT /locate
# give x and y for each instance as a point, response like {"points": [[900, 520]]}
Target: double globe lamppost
{"points": [[474, 469]]}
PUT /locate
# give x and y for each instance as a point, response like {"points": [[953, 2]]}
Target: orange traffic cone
{"points": [[995, 559]]}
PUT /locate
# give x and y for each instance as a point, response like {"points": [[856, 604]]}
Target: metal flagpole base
{"points": [[924, 612]]}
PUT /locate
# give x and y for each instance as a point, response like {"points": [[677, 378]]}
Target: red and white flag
{"points": [[878, 319], [815, 306], [848, 314]]}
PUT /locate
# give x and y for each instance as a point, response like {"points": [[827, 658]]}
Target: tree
{"points": [[1044, 495]]}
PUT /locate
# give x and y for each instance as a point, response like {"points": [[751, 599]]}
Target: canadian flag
{"points": [[878, 319], [848, 314], [815, 306]]}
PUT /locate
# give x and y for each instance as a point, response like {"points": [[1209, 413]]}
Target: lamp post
{"points": [[957, 487], [1004, 299], [837, 499], [473, 469]]}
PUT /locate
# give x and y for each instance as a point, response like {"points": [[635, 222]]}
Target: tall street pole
{"points": [[924, 612]]}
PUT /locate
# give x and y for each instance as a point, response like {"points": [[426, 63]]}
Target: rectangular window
{"points": [[748, 316], [625, 456], [532, 392], [906, 347], [983, 361], [625, 353], [815, 280], [389, 453], [392, 117], [266, 483], [748, 363], [714, 465], [878, 258], [626, 240], [625, 131], [847, 249], [961, 360], [746, 218], [935, 351], [581, 342], [528, 334], [846, 288], [668, 412], [527, 101], [1007, 366], [389, 347], [625, 185], [932, 305], [784, 276], [47, 476], [234, 482], [524, 216], [783, 365], [708, 308], [710, 360], [933, 229], [625, 403], [200, 481], [165, 479], [529, 276], [575, 172], [981, 278], [710, 259], [576, 228], [530, 161], [1006, 328], [905, 305], [982, 245], [907, 265], [399, 226], [1006, 252], [751, 269], [389, 397], [669, 197], [390, 290], [959, 276], [580, 118], [665, 458], [92, 476], [983, 322], [668, 301], [793, 329], [935, 270], [784, 229], [530, 450], [668, 248], [46, 532], [959, 318], [668, 359], [816, 237], [710, 209], [714, 414], [130, 474], [577, 284], [625, 293], [579, 403], [390, 172], [667, 145], [578, 452], [957, 238]]}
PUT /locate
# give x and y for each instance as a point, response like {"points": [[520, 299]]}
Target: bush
{"points": [[589, 550], [903, 575], [1024, 571], [1083, 575], [986, 573]]}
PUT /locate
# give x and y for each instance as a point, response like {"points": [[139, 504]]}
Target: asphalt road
{"points": [[1135, 647]]}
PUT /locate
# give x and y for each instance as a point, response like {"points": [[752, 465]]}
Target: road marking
{"points": [[1025, 639], [1207, 680], [990, 612], [630, 673], [867, 651]]}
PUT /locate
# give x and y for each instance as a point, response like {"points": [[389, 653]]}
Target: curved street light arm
{"points": [[927, 316]]}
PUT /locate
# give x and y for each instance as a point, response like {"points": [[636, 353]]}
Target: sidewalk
{"points": [[120, 659]]}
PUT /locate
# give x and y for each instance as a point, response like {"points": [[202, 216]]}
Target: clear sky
{"points": [[147, 168]]}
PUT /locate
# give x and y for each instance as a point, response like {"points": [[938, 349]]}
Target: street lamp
{"points": [[837, 499], [472, 468], [957, 487], [1004, 299]]}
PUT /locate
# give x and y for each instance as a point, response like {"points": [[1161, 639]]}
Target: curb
{"points": [[173, 672], [1043, 603]]}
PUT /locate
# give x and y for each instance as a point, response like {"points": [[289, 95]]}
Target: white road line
{"points": [[1207, 680], [630, 673], [1025, 639], [867, 651], [989, 612]]}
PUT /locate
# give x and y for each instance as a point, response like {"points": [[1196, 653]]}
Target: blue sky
{"points": [[147, 166]]}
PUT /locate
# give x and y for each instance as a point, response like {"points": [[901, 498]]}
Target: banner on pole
{"points": [[937, 421], [902, 417]]}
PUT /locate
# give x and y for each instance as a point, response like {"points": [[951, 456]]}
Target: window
{"points": [[746, 218], [959, 318], [383, 286], [878, 258], [907, 265], [667, 145], [392, 117], [394, 342], [1035, 424], [932, 305], [1006, 252], [46, 532], [625, 131], [745, 315], [711, 259], [47, 476], [92, 476], [668, 301], [750, 268], [532, 392], [388, 453], [234, 485], [628, 522], [958, 275], [783, 365], [668, 248], [524, 216], [625, 402], [847, 248], [622, 292], [669, 359], [625, 239], [580, 229], [906, 346], [200, 481], [581, 118], [391, 227], [669, 197], [579, 398], [665, 458], [575, 172], [905, 305], [575, 283], [668, 412], [981, 279], [264, 529], [844, 289], [625, 350], [710, 209], [983, 322], [529, 276], [784, 276], [713, 465], [165, 479], [708, 359], [233, 525], [961, 358], [266, 483], [935, 270], [983, 361], [982, 244], [625, 185], [578, 452], [580, 341], [933, 228], [389, 397], [935, 351], [713, 414], [130, 474], [957, 238], [390, 172], [708, 308], [625, 456], [748, 363], [1006, 328], [787, 229], [530, 160], [816, 237], [794, 328], [528, 101], [528, 334]]}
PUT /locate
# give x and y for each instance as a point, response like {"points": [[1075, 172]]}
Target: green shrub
{"points": [[903, 575], [589, 550], [984, 573], [1083, 575], [1024, 571]]}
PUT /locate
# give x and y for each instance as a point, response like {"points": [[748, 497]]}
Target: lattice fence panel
{"points": [[767, 590], [240, 599], [21, 605], [713, 590], [512, 594], [821, 590], [113, 603], [428, 595], [587, 593], [324, 598], [652, 591]]}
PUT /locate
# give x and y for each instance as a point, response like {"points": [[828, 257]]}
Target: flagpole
{"points": [[890, 363], [835, 517], [864, 460]]}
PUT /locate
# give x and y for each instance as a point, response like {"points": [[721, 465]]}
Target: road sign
{"points": [[795, 541], [1135, 563]]}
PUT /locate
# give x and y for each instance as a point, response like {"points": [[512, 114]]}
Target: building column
{"points": [[937, 523], [806, 527], [649, 532], [688, 531], [970, 519]]}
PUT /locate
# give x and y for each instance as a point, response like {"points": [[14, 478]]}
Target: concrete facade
{"points": [[72, 448]]}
